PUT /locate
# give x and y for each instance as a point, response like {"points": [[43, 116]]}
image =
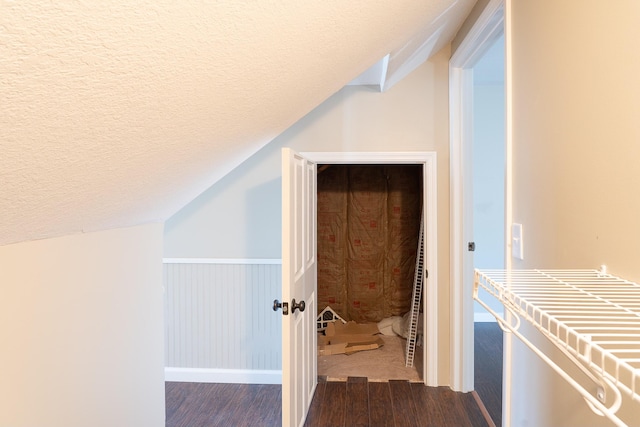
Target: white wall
{"points": [[219, 322], [81, 330], [488, 183], [240, 217], [576, 109]]}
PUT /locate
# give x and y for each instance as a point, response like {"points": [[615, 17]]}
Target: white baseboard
{"points": [[484, 317], [236, 376]]}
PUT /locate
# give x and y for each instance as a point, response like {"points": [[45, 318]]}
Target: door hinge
{"points": [[472, 246]]}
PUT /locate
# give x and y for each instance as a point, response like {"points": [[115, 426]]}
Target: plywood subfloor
{"points": [[382, 364]]}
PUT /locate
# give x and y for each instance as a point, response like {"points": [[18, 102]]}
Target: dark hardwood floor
{"points": [[356, 402], [208, 405], [353, 403], [488, 368]]}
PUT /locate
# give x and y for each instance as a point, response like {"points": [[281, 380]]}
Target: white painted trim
{"points": [[233, 376], [507, 347], [485, 31], [461, 350], [383, 75], [430, 197], [355, 158], [248, 261]]}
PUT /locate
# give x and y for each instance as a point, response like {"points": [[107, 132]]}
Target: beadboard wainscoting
{"points": [[219, 322]]}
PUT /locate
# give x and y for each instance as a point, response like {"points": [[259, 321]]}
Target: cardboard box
{"points": [[349, 338], [352, 328]]}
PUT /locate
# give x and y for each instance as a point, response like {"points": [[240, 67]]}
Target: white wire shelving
{"points": [[418, 280], [592, 317]]}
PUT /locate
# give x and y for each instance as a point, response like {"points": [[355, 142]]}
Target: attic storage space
{"points": [[368, 228]]}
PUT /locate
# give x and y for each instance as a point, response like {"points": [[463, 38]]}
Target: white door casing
{"points": [[487, 28], [428, 160], [299, 276]]}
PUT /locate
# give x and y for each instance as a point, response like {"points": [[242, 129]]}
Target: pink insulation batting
{"points": [[368, 225]]}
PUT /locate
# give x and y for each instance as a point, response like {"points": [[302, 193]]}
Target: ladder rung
{"points": [[417, 293]]}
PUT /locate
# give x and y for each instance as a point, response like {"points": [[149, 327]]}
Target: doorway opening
{"points": [[488, 159], [369, 219], [423, 165], [488, 27]]}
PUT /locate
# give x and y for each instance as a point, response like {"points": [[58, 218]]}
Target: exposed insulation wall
{"points": [[368, 224]]}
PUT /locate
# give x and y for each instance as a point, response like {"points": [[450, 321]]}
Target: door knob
{"points": [[299, 305], [284, 306]]}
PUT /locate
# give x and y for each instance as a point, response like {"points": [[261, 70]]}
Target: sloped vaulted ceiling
{"points": [[117, 113]]}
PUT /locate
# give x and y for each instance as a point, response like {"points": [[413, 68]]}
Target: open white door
{"points": [[299, 305], [487, 28]]}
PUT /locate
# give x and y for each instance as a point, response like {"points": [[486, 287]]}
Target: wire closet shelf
{"points": [[591, 317]]}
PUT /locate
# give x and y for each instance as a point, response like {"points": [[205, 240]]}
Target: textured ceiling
{"points": [[118, 113]]}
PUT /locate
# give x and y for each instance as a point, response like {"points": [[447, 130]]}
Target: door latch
{"points": [[284, 306]]}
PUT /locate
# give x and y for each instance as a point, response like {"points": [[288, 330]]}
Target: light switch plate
{"points": [[517, 247]]}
